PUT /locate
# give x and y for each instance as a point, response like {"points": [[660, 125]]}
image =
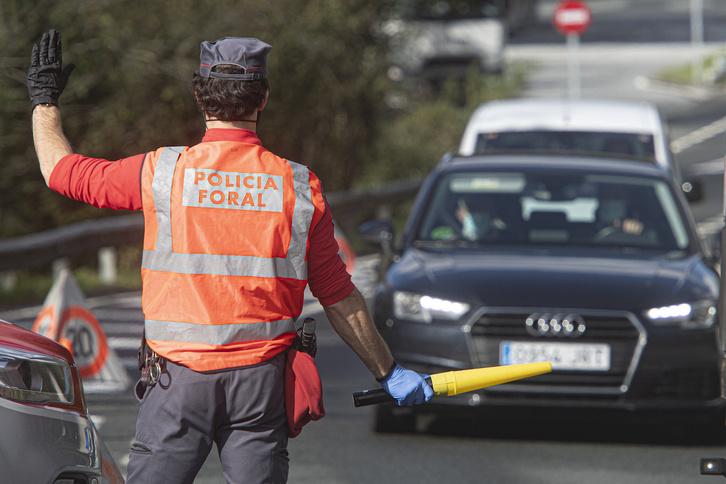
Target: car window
{"points": [[448, 9], [627, 145], [541, 208]]}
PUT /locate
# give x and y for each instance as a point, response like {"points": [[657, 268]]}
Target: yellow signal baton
{"points": [[455, 382]]}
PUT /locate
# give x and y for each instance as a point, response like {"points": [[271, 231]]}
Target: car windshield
{"points": [[474, 209], [448, 9], [627, 145]]}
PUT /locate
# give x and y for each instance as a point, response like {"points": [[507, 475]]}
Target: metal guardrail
{"points": [[43, 248]]}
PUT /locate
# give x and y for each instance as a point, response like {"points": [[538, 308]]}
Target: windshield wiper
{"points": [[436, 244]]}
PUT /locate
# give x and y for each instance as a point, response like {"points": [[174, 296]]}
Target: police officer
{"points": [[233, 234]]}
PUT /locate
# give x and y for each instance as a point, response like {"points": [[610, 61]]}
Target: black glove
{"points": [[47, 77]]}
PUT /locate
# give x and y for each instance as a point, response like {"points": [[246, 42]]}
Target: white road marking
{"points": [[699, 136]]}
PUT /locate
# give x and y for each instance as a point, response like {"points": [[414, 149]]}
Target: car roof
{"points": [[530, 114], [584, 164]]}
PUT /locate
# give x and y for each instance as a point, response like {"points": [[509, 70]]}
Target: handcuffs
{"points": [[151, 369], [150, 363]]}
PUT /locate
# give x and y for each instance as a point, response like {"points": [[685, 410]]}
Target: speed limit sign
{"points": [[88, 342]]}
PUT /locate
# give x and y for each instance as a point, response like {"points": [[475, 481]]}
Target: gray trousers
{"points": [[241, 410]]}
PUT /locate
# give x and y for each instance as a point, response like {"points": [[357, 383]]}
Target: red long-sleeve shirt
{"points": [[117, 185]]}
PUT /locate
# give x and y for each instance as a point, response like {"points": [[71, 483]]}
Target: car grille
{"points": [[616, 330]]}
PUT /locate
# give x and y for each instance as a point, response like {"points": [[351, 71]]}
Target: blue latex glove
{"points": [[407, 387]]}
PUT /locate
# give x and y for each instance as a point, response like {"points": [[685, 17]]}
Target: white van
{"points": [[623, 129]]}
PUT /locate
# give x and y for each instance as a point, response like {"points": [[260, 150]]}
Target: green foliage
{"points": [[130, 91], [712, 71], [431, 122], [328, 83]]}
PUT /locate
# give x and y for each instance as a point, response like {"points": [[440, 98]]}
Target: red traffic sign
{"points": [[88, 342], [572, 17]]}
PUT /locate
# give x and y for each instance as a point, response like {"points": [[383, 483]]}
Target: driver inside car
{"points": [[476, 223], [612, 215]]}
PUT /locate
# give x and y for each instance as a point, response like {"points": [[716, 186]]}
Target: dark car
{"points": [[47, 435], [593, 264]]}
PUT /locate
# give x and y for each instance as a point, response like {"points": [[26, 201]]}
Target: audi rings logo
{"points": [[555, 325]]}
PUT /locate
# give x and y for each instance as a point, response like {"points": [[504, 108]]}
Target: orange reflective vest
{"points": [[224, 265]]}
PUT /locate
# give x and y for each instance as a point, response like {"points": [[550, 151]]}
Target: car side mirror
{"points": [[713, 246], [378, 232], [693, 190]]}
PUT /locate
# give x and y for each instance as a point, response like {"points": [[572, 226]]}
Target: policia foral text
{"points": [[233, 234]]}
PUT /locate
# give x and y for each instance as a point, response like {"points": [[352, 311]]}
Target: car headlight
{"points": [[32, 378], [423, 309], [685, 315]]}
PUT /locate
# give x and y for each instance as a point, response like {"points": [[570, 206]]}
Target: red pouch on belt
{"points": [[303, 391]]}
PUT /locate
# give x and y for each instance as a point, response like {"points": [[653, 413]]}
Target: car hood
{"points": [[25, 340], [556, 280]]}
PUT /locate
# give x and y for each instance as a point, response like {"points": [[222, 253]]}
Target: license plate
{"points": [[563, 356]]}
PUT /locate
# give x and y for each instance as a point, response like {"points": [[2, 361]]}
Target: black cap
{"points": [[248, 53]]}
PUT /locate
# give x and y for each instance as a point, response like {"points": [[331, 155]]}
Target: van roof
{"points": [[561, 115]]}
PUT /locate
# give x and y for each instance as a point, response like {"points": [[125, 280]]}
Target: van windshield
{"points": [[626, 145]]}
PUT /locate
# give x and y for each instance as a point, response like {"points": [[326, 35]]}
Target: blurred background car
{"points": [[434, 40], [593, 264], [48, 436], [623, 129]]}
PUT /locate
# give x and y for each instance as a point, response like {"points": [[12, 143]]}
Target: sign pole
{"points": [[572, 18], [697, 41], [573, 62]]}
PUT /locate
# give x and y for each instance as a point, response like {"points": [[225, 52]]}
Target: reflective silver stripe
{"points": [[218, 334], [302, 216], [161, 186], [293, 266], [222, 265]]}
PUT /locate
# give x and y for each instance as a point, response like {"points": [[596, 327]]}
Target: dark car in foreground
{"points": [[47, 434], [592, 263]]}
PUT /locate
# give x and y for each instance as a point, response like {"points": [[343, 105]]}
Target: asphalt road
{"points": [[498, 446]]}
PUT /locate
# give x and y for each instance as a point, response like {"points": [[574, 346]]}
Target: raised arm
{"points": [[50, 143], [47, 77]]}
